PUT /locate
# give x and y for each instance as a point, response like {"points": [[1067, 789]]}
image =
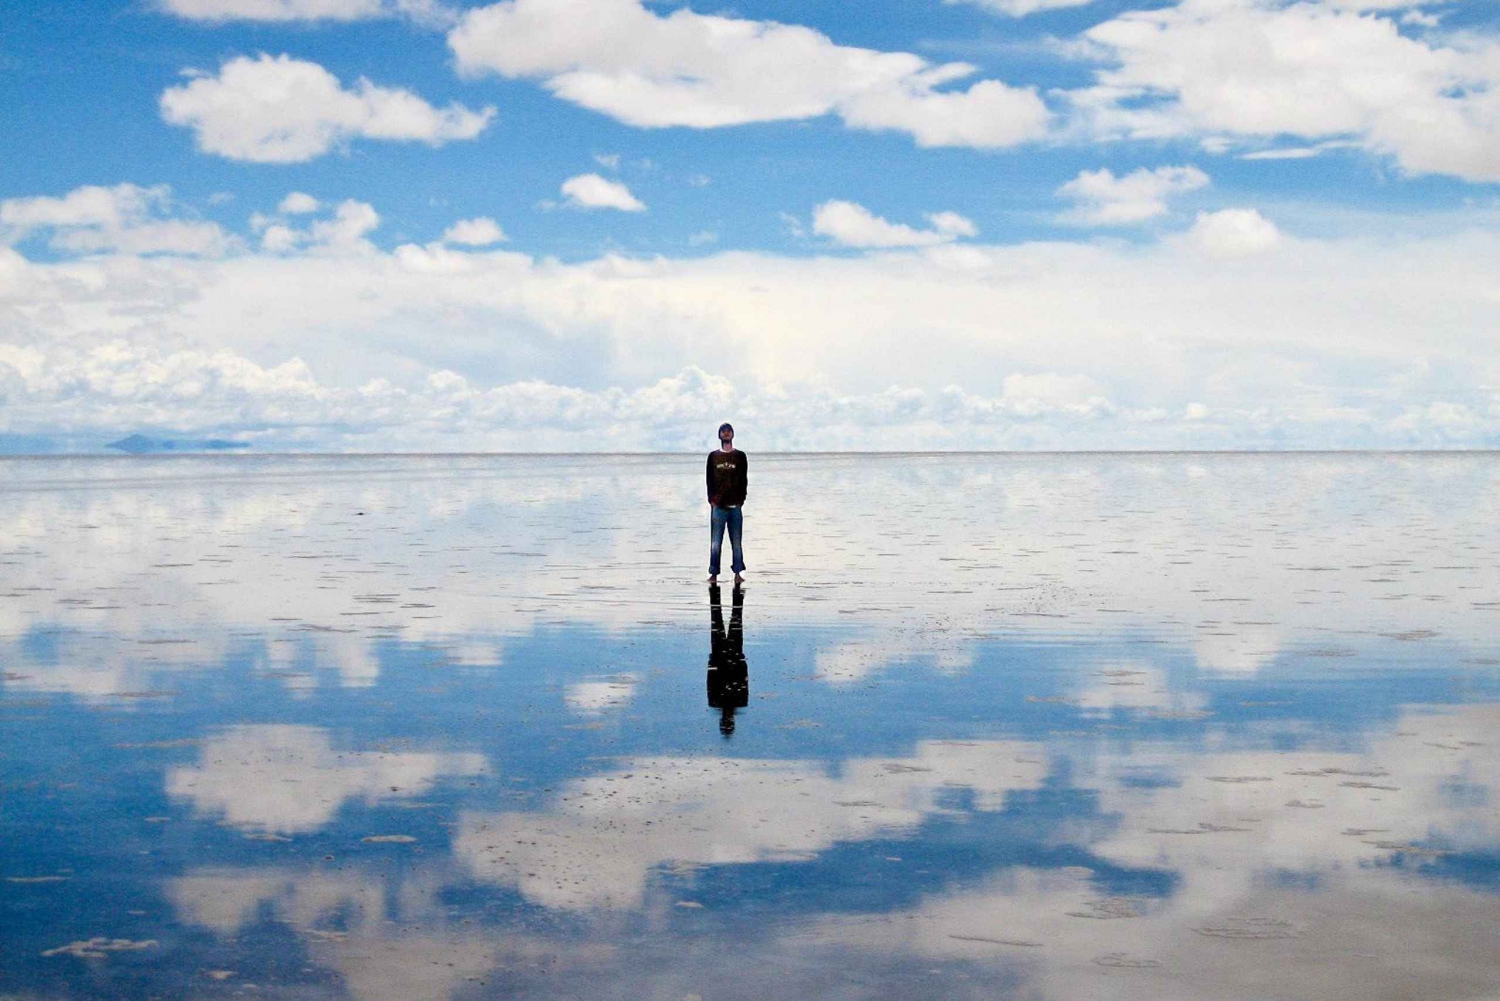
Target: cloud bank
{"points": [[1228, 333]]}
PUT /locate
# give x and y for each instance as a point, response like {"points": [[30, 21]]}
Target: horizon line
{"points": [[244, 454]]}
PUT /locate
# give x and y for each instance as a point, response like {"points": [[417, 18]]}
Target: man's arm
{"points": [[709, 475], [744, 477]]}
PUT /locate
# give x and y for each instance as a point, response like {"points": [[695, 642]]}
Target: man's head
{"points": [[726, 433]]}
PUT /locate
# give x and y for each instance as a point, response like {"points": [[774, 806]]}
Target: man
{"points": [[728, 477]]}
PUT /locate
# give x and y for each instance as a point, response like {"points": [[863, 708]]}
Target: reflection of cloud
{"points": [[858, 659], [1130, 686], [290, 778], [596, 845], [350, 924], [1247, 811], [94, 666], [1293, 877], [593, 697], [1382, 937], [1245, 651], [1157, 542], [352, 656]]}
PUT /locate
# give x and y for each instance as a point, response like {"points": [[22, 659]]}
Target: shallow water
{"points": [[1149, 726]]}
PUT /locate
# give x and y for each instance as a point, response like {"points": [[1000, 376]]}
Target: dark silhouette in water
{"points": [[728, 673]]}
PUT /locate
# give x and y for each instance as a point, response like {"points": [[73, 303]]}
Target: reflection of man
{"points": [[728, 476], [728, 674]]}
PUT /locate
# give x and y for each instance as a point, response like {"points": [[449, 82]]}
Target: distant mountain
{"points": [[139, 444]]}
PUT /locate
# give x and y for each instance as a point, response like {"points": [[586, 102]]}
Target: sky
{"points": [[608, 225]]}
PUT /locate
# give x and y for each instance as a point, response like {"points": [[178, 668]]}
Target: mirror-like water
{"points": [[1147, 726]]}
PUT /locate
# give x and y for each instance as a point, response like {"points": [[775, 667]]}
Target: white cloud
{"points": [[1285, 153], [989, 115], [590, 191], [426, 12], [298, 203], [944, 346], [854, 225], [1421, 19], [273, 10], [279, 239], [952, 224], [610, 160], [620, 58], [284, 110], [477, 232], [341, 233], [1102, 199], [1020, 8], [1234, 233], [347, 229], [1034, 394], [125, 218], [1243, 68]]}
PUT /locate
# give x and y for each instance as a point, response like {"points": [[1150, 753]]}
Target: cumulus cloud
{"points": [[590, 191], [278, 239], [989, 115], [1253, 70], [276, 109], [351, 221], [478, 232], [125, 218], [1102, 199], [1234, 233], [343, 231], [854, 225], [298, 203], [620, 58]]}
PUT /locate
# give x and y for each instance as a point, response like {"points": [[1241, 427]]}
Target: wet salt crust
{"points": [[1147, 726]]}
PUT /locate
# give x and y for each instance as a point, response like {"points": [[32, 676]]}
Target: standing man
{"points": [[728, 478]]}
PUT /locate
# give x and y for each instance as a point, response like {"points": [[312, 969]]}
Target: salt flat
{"points": [[1045, 726]]}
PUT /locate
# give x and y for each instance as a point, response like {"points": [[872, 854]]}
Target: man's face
{"points": [[727, 436]]}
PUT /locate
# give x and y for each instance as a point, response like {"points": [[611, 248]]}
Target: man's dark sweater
{"points": [[728, 477]]}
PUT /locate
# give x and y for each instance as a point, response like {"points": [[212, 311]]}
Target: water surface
{"points": [[1148, 726]]}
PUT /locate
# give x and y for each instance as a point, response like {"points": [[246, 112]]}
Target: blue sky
{"points": [[906, 223]]}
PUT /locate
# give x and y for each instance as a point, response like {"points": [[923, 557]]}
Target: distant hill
{"points": [[139, 444]]}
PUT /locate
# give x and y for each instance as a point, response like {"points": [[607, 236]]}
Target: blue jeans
{"points": [[734, 520]]}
